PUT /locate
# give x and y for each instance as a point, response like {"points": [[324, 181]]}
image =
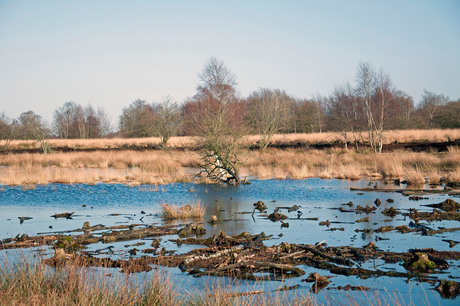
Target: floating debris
{"points": [[66, 215]]}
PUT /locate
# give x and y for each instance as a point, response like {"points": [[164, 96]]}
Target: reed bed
{"points": [[188, 211]]}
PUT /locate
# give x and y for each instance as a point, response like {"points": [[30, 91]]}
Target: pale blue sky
{"points": [[109, 53]]}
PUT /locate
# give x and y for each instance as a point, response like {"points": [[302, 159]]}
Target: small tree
{"points": [[431, 103], [374, 90], [167, 120], [6, 131], [215, 115], [32, 126], [137, 120]]}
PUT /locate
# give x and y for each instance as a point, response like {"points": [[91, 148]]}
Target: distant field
{"points": [[400, 136]]}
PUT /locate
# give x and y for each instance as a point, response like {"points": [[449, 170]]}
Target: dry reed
{"points": [[26, 283], [189, 211]]}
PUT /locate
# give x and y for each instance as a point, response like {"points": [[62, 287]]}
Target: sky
{"points": [[110, 53]]}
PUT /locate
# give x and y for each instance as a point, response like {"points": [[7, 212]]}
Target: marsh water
{"points": [[318, 200]]}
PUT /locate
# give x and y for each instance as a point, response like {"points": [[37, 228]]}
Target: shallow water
{"points": [[113, 204]]}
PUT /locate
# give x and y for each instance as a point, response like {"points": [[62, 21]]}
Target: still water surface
{"points": [[113, 204]]}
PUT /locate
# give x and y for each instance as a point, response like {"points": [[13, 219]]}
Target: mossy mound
{"points": [[420, 262]]}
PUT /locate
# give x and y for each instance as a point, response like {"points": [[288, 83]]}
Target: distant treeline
{"points": [[372, 102]]}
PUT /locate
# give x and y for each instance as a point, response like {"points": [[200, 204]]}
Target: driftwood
{"points": [[340, 261], [22, 219], [218, 254], [285, 270], [136, 234]]}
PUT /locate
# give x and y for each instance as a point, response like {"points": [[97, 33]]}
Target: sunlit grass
{"points": [[136, 167], [26, 283], [189, 211]]}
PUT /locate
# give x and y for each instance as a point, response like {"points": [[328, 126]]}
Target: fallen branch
{"points": [[218, 254], [340, 261]]}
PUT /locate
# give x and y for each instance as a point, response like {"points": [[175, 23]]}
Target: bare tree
{"points": [[374, 91], [267, 113], [65, 120], [365, 88], [345, 113], [319, 102], [34, 127], [137, 120], [167, 120], [430, 104], [383, 97], [71, 120], [214, 114], [6, 131]]}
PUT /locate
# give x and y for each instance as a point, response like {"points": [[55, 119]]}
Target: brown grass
{"points": [[32, 283], [347, 164], [25, 283], [434, 135], [159, 167], [148, 167], [106, 143], [189, 211], [162, 167]]}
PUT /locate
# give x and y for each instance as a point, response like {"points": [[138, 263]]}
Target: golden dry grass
{"points": [[161, 167], [136, 167], [26, 283], [107, 143], [189, 211], [347, 164], [434, 135], [31, 283]]}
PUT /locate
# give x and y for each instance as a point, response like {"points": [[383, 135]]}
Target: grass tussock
{"points": [[414, 178], [189, 211]]}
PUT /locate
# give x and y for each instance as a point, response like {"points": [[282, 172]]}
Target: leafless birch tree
{"points": [[267, 113]]}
